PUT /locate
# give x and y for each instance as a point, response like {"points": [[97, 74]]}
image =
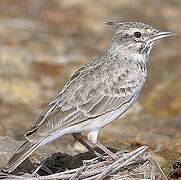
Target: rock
{"points": [[7, 147], [57, 162]]}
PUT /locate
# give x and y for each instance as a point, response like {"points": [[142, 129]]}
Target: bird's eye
{"points": [[137, 34]]}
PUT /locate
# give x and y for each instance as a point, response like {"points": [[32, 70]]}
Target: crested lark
{"points": [[97, 94]]}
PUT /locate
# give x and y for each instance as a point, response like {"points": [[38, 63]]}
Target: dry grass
{"points": [[137, 164]]}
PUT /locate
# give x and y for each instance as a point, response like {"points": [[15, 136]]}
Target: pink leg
{"points": [[84, 142], [92, 137], [106, 150]]}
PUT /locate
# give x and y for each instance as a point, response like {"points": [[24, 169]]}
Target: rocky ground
{"points": [[43, 42]]}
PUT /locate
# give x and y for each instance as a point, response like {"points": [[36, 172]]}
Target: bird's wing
{"points": [[91, 92]]}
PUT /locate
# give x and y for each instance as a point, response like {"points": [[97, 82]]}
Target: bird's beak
{"points": [[160, 35]]}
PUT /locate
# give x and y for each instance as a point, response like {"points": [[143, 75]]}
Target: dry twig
{"points": [[136, 164]]}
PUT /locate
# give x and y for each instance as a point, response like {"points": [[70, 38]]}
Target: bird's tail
{"points": [[20, 155]]}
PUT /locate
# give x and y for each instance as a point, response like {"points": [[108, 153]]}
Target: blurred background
{"points": [[43, 42]]}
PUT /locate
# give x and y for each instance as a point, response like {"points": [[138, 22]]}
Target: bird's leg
{"points": [[87, 144], [92, 137], [106, 150], [92, 142]]}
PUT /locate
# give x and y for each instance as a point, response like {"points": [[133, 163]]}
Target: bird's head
{"points": [[135, 37]]}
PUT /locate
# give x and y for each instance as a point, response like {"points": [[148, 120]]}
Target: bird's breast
{"points": [[125, 79]]}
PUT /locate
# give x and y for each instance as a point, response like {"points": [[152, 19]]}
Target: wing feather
{"points": [[89, 93]]}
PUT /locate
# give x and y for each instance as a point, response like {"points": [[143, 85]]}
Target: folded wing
{"points": [[90, 93]]}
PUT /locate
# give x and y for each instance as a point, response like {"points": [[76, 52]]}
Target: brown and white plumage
{"points": [[97, 94]]}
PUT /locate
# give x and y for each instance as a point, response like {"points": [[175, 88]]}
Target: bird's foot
{"points": [[100, 155]]}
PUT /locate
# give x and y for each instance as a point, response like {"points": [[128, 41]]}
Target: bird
{"points": [[97, 94]]}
